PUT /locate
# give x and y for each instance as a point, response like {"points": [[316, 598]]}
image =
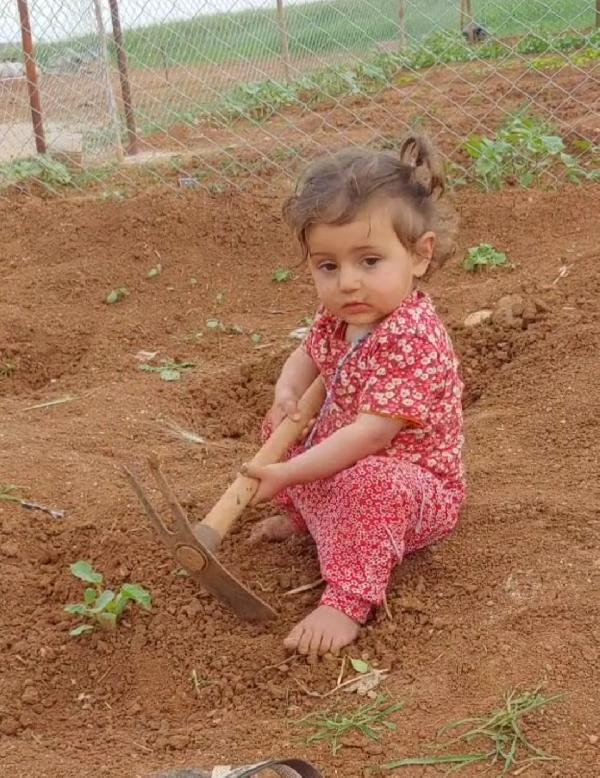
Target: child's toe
{"points": [[292, 641]]}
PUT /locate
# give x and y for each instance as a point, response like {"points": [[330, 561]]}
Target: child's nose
{"points": [[349, 280]]}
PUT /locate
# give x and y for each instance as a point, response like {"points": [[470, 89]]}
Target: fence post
{"points": [[283, 38], [466, 13], [402, 24], [132, 147], [32, 79], [111, 103]]}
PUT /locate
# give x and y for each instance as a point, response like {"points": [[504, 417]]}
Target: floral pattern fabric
{"points": [[367, 517]]}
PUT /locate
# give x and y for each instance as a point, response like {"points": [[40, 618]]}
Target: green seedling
{"points": [[11, 493], [155, 271], [482, 257], [500, 737], [370, 720], [256, 338], [525, 151], [215, 325], [116, 295], [43, 169], [168, 370], [7, 369], [281, 275], [360, 666], [102, 607], [199, 683]]}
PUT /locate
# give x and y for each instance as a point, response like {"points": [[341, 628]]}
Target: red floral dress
{"points": [[366, 518]]}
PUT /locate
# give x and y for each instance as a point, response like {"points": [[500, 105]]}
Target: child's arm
{"points": [[297, 374], [368, 435]]}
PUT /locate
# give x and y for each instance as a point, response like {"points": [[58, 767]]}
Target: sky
{"points": [[52, 20]]}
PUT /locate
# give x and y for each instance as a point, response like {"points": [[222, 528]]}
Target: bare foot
{"points": [[275, 528], [324, 630]]}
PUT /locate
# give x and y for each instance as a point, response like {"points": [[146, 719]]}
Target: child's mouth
{"points": [[356, 307]]}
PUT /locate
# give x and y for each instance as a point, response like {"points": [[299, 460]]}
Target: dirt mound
{"points": [[508, 600]]}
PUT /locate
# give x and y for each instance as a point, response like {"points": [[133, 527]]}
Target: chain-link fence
{"points": [[224, 92]]}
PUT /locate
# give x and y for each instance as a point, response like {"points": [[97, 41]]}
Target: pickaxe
{"points": [[194, 547]]}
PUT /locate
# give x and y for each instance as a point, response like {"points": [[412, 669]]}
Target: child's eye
{"points": [[328, 267], [371, 261]]}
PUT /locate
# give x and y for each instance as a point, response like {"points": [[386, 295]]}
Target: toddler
{"points": [[380, 474]]}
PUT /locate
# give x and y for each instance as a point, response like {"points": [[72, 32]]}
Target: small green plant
{"points": [[155, 271], [525, 151], [370, 721], [500, 735], [43, 169], [116, 295], [102, 607], [482, 257], [10, 493], [7, 368], [281, 275], [168, 370]]}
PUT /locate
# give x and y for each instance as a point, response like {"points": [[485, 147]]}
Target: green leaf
{"points": [[89, 596], [256, 338], [281, 275], [81, 629], [107, 620], [138, 594], [360, 666], [168, 374], [216, 325], [116, 295], [155, 271], [85, 572], [434, 760], [77, 609], [105, 598]]}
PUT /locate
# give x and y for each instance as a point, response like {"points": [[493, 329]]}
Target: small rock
{"points": [[276, 691], [9, 549], [27, 718], [593, 739], [477, 318], [411, 604], [509, 311], [9, 725], [374, 749], [30, 696], [178, 742], [284, 581]]}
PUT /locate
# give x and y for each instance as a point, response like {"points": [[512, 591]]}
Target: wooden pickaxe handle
{"points": [[217, 523]]}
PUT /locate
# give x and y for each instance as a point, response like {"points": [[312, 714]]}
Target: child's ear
{"points": [[423, 253]]}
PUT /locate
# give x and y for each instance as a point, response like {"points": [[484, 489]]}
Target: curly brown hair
{"points": [[335, 188]]}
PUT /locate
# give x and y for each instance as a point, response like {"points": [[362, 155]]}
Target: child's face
{"points": [[362, 270]]}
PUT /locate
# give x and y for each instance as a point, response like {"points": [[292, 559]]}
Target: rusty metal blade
{"points": [[199, 561]]}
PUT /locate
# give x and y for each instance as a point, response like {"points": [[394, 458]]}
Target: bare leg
{"points": [[324, 630], [275, 528]]}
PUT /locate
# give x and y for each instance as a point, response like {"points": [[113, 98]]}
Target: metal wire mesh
{"points": [[229, 92]]}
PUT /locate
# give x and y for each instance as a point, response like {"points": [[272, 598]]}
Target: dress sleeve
{"points": [[402, 374], [316, 337]]}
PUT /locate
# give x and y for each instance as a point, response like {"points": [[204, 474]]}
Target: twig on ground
{"points": [[60, 401], [305, 588]]}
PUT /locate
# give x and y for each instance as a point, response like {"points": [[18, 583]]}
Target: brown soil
{"points": [[510, 600]]}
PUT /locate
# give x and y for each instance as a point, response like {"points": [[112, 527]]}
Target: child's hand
{"points": [[285, 404], [272, 480]]}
